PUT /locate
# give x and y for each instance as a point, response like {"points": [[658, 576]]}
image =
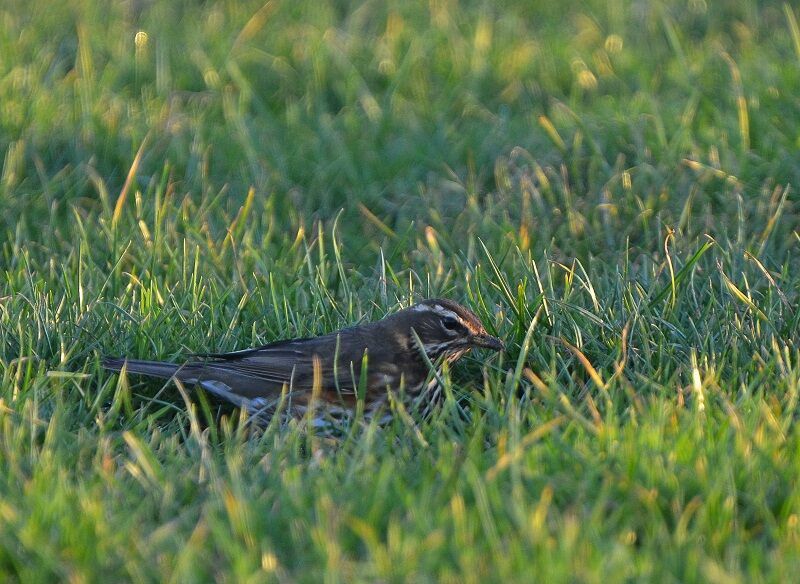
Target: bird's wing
{"points": [[288, 347], [289, 363]]}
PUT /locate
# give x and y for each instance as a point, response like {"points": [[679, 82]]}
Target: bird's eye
{"points": [[450, 323]]}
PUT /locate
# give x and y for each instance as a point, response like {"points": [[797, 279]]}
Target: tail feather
{"points": [[222, 384], [154, 368]]}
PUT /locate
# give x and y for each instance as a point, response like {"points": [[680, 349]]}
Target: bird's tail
{"points": [[154, 368], [220, 384]]}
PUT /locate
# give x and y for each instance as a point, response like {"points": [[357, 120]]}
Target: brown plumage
{"points": [[328, 368]]}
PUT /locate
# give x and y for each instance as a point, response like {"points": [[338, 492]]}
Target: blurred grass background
{"points": [[611, 186]]}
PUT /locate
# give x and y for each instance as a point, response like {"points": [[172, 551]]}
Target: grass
{"points": [[611, 186]]}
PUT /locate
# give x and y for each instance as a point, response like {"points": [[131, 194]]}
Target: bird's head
{"points": [[445, 328]]}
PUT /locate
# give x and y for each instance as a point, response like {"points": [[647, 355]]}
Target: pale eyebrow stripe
{"points": [[438, 309]]}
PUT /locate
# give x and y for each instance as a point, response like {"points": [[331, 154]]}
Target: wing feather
{"points": [[282, 363]]}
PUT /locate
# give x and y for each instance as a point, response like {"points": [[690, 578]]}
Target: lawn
{"points": [[611, 186]]}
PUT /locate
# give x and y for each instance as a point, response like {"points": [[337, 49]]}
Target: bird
{"points": [[401, 352]]}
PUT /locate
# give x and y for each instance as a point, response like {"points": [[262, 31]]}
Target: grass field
{"points": [[610, 185]]}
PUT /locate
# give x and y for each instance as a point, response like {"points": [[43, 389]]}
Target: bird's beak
{"points": [[487, 342]]}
